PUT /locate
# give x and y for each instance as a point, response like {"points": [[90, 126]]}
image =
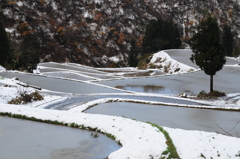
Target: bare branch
{"points": [[228, 132], [223, 130], [237, 134], [234, 126]]}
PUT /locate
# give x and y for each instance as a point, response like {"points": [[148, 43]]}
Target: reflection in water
{"points": [[148, 89], [88, 150]]}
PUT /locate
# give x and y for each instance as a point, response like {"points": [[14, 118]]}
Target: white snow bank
{"points": [[11, 92], [140, 140], [8, 93], [231, 101], [85, 106], [9, 89], [37, 71], [2, 69], [168, 65], [198, 144], [234, 58], [8, 81]]}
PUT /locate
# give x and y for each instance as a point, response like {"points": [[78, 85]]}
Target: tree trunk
{"points": [[211, 83]]}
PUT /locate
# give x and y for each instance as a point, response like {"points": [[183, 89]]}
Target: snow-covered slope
{"points": [[2, 69], [168, 65]]}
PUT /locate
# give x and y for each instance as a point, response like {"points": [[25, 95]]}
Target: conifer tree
{"points": [[132, 59], [177, 39], [168, 35], [5, 49], [29, 55], [208, 52], [227, 40], [161, 35], [150, 42]]}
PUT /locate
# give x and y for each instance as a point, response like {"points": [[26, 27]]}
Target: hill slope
{"points": [[98, 32]]}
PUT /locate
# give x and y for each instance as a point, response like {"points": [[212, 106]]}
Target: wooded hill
{"points": [[99, 32]]}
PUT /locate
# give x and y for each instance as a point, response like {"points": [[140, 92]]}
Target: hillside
{"points": [[98, 32]]}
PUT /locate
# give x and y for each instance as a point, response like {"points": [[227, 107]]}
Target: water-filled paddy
{"points": [[174, 117], [59, 85], [69, 75], [32, 140]]}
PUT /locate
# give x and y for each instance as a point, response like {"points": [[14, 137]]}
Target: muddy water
{"points": [[174, 117], [21, 139]]}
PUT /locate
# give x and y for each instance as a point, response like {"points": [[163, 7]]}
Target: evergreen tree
{"points": [[170, 35], [167, 35], [5, 49], [161, 35], [29, 54], [150, 40], [177, 39], [207, 48], [132, 59], [227, 40]]}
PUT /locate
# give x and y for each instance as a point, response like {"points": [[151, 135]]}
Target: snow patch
{"points": [[19, 3], [114, 59], [10, 30], [9, 89], [198, 144], [2, 69], [168, 65]]}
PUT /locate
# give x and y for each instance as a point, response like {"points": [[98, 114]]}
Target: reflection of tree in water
{"points": [[147, 89], [153, 89], [88, 150]]}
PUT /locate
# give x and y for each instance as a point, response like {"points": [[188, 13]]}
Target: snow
{"points": [[9, 89], [87, 14], [2, 69], [114, 59], [139, 140], [6, 94], [231, 100], [19, 3], [170, 66], [234, 58], [98, 1], [193, 144], [54, 5], [9, 30]]}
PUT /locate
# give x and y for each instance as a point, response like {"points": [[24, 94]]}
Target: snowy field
{"points": [[138, 139]]}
